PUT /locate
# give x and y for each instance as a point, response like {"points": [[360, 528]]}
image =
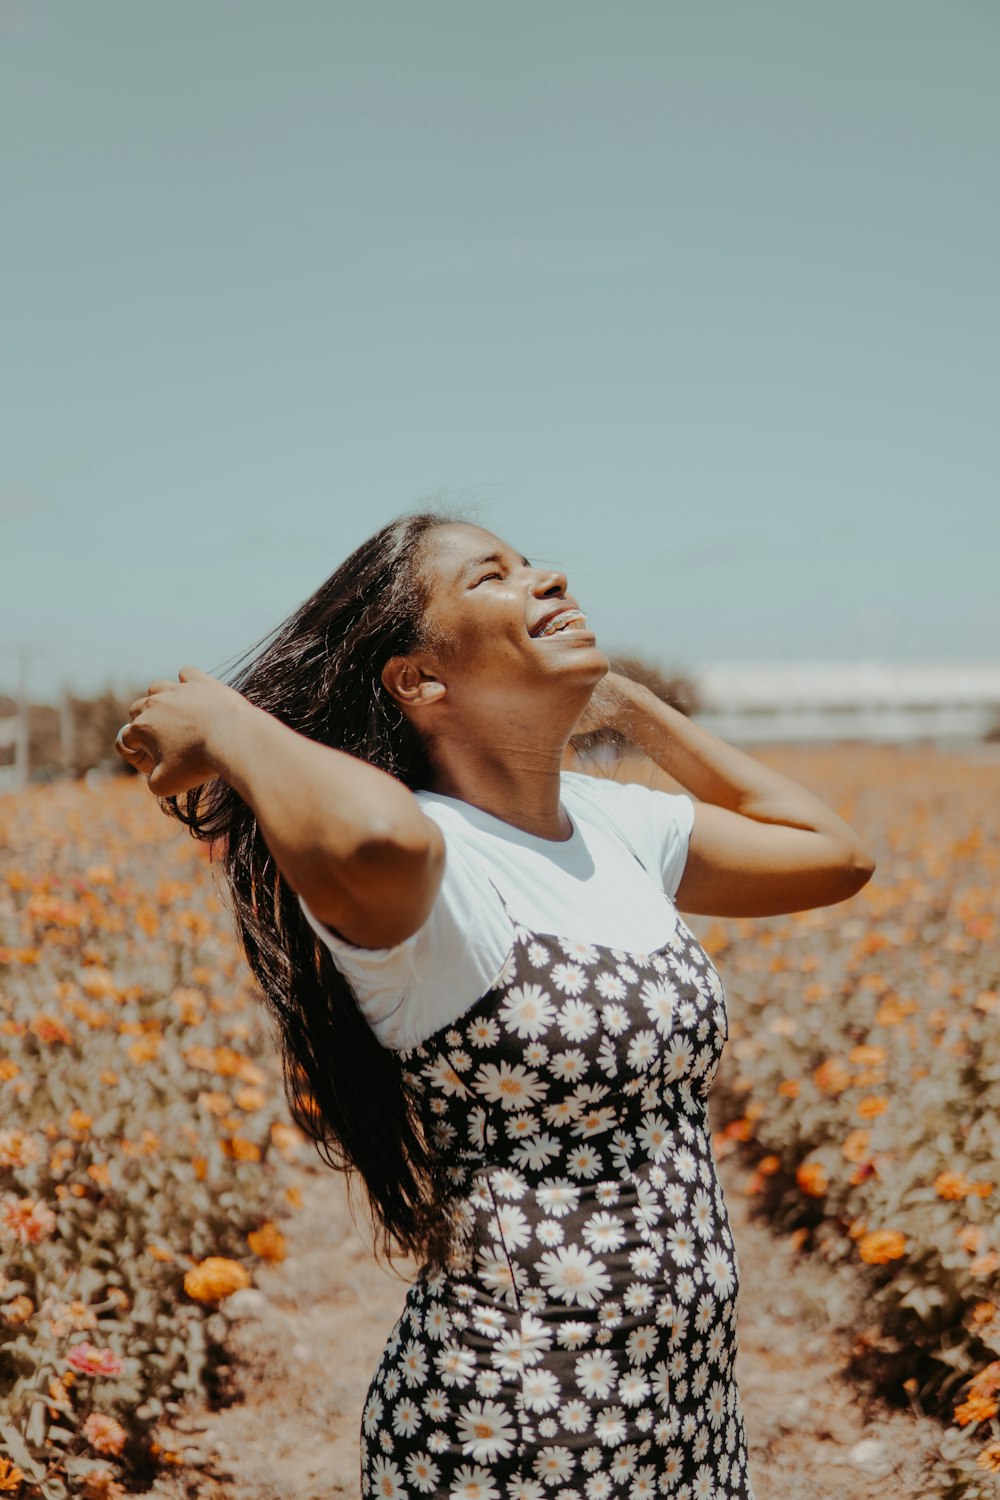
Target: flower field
{"points": [[142, 1131], [863, 1075], [145, 1141]]}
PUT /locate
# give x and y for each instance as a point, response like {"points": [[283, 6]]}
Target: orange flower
{"points": [[855, 1145], [989, 1458], [214, 1278], [50, 1029], [982, 1313], [104, 1434], [268, 1241], [872, 1105], [951, 1185], [146, 1049], [881, 1245], [287, 1139], [293, 1195], [19, 1309], [832, 1076], [28, 1220], [865, 1053], [18, 1148], [11, 1477], [100, 1485], [812, 1178], [238, 1148], [249, 1097], [788, 1088], [976, 1409], [768, 1165], [8, 1069]]}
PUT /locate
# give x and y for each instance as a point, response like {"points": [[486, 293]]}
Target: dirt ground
{"points": [[301, 1357]]}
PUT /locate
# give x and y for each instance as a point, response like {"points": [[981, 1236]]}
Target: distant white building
{"points": [[863, 700]]}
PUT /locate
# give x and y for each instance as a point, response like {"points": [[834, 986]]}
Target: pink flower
{"points": [[90, 1360]]}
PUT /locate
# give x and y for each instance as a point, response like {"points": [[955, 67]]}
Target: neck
{"points": [[518, 785]]}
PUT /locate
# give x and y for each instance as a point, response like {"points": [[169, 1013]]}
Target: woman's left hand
{"points": [[171, 731]]}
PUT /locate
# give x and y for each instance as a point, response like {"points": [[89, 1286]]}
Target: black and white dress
{"points": [[580, 1342]]}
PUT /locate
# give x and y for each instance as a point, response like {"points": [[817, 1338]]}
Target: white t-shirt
{"points": [[611, 883]]}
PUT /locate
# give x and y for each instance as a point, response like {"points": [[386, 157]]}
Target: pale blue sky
{"points": [[699, 300]]}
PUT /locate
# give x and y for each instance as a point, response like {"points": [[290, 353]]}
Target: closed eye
{"points": [[484, 578]]}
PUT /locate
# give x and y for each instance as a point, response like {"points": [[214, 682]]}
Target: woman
{"points": [[489, 1006]]}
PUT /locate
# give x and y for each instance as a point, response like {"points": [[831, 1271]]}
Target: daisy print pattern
{"points": [[579, 1338]]}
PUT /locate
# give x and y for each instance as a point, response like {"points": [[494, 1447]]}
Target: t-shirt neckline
{"points": [[492, 824]]}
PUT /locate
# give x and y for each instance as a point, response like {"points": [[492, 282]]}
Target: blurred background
{"points": [[698, 302]]}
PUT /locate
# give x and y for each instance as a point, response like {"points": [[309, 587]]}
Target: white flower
{"points": [[655, 1136], [510, 1225], [577, 1020], [524, 1489], [473, 1483], [510, 1085], [615, 1018], [483, 1031], [538, 1153], [569, 978], [507, 972], [642, 1050], [659, 997], [719, 1270], [422, 1472], [387, 1480], [519, 1126], [527, 1011], [644, 1262], [455, 1366], [554, 1465], [443, 1076], [609, 1425], [581, 953], [548, 1232], [575, 1416], [405, 1419], [373, 1414], [641, 1345], [584, 1162], [558, 1196], [596, 1374], [508, 1184], [681, 1244], [414, 1364], [488, 1321], [488, 1383], [638, 1298], [678, 1058], [573, 1275], [702, 1213], [538, 955], [486, 1431], [633, 1388], [603, 1232], [686, 1163], [598, 1487], [610, 986], [596, 1121], [436, 1405], [569, 1064], [573, 1335], [541, 1390], [623, 1461]]}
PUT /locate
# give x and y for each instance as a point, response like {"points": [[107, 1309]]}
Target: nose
{"points": [[550, 582]]}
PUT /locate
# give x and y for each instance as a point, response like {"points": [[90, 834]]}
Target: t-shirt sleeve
{"points": [[656, 825], [456, 948]]}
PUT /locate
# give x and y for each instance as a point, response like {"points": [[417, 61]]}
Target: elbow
{"points": [[860, 867]]}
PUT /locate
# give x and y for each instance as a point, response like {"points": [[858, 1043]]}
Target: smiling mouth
{"points": [[566, 619]]}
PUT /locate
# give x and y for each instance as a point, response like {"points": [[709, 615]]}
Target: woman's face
{"points": [[505, 626]]}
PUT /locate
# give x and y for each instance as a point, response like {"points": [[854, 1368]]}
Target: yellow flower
{"points": [[872, 1105], [952, 1185], [215, 1278]]}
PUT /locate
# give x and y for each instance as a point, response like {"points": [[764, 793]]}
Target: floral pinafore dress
{"points": [[579, 1343]]}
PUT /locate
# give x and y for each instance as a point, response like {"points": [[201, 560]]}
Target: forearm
{"points": [[716, 771], [320, 810]]}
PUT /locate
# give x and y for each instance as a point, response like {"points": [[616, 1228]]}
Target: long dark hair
{"points": [[321, 674]]}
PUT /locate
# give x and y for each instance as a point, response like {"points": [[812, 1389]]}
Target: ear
{"points": [[411, 681]]}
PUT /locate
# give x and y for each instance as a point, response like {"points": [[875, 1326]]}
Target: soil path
{"points": [[299, 1368]]}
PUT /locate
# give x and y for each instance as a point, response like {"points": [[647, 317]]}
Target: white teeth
{"points": [[565, 617]]}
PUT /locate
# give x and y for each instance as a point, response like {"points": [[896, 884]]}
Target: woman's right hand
{"points": [[172, 731]]}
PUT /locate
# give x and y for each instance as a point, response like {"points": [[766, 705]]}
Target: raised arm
{"points": [[761, 843], [348, 838]]}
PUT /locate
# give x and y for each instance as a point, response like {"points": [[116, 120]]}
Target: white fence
{"points": [[747, 702]]}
